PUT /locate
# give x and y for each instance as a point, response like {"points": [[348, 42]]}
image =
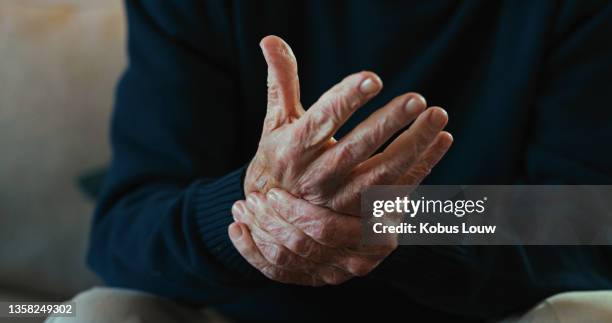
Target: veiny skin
{"points": [[299, 224]]}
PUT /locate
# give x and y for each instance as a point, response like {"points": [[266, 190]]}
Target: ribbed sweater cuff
{"points": [[214, 202]]}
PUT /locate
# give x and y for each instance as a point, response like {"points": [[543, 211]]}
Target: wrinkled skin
{"points": [[306, 230], [294, 241]]}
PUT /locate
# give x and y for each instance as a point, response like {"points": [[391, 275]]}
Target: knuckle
{"points": [[318, 118], [412, 148], [315, 128], [346, 152], [309, 188], [389, 174], [421, 169], [421, 142], [321, 232], [373, 137], [331, 226], [279, 256], [273, 91], [389, 121], [335, 106], [303, 246]]}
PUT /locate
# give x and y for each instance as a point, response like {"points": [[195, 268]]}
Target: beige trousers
{"points": [[111, 305]]}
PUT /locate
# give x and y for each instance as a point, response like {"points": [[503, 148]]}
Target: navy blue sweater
{"points": [[527, 86]]}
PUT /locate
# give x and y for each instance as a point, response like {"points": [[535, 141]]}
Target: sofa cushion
{"points": [[60, 63]]}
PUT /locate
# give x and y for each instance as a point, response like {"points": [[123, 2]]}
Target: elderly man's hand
{"points": [[304, 231], [293, 241], [297, 151]]}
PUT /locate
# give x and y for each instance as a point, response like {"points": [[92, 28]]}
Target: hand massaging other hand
{"points": [[298, 155]]}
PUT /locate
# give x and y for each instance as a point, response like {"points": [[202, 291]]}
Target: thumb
{"points": [[283, 84]]}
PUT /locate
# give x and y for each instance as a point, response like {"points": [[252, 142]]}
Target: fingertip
{"points": [[446, 139], [415, 103], [277, 198], [377, 79], [273, 44], [273, 195], [235, 231], [370, 83], [270, 42], [448, 136], [438, 116], [238, 210], [418, 97], [373, 77]]}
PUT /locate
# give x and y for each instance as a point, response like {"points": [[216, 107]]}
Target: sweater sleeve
{"points": [[161, 220], [571, 126]]}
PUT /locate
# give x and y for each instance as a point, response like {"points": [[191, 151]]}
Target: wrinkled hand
{"points": [[297, 151], [293, 241], [303, 231]]}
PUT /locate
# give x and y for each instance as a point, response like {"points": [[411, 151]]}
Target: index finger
{"points": [[334, 107]]}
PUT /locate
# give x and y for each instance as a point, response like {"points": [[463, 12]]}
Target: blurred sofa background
{"points": [[59, 62]]}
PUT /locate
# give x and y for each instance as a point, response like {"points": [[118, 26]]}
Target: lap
{"points": [[570, 307], [105, 305]]}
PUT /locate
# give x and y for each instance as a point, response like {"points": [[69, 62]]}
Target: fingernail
{"points": [[239, 206], [438, 117], [413, 105], [235, 231], [273, 195], [237, 211], [251, 200], [368, 86]]}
